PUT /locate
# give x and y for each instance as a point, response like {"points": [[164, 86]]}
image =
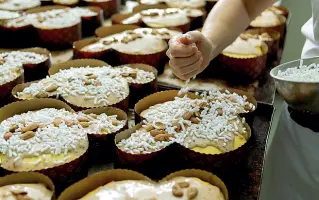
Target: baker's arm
{"points": [[224, 23]]}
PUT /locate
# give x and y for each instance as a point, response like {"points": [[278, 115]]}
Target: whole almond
{"points": [[93, 76], [187, 115], [7, 135], [232, 99], [183, 184], [177, 191], [51, 88], [149, 127], [13, 128], [87, 82], [82, 119], [220, 111], [115, 123], [192, 193], [194, 120], [160, 125], [177, 126], [154, 133], [69, 123], [27, 135], [197, 114], [57, 121], [30, 127], [202, 105], [170, 135], [93, 115], [84, 124], [133, 74], [97, 83], [161, 138]]}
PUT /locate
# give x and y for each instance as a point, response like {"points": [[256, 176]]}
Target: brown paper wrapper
{"points": [[242, 70], [202, 175], [62, 175], [119, 17], [89, 184], [38, 71], [91, 23], [154, 164], [273, 46], [157, 98], [5, 90], [102, 147], [139, 91], [124, 104], [19, 88], [28, 178], [14, 37], [57, 38], [109, 7]]}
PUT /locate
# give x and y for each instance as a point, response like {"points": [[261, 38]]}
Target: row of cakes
{"points": [[108, 6], [117, 185], [89, 83], [207, 132], [31, 138], [49, 26], [19, 66]]}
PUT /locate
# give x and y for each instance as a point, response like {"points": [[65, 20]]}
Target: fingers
{"points": [[188, 72], [181, 51], [183, 62], [191, 37]]}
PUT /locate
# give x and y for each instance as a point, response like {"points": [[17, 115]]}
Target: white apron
{"points": [[293, 159]]}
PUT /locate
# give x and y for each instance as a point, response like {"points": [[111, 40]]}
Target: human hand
{"points": [[189, 54]]}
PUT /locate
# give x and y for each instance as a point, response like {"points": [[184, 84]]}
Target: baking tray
{"points": [[245, 181]]}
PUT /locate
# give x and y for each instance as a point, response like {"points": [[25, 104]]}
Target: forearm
{"points": [[229, 18]]}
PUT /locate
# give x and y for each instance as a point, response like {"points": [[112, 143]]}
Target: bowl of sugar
{"points": [[298, 83]]}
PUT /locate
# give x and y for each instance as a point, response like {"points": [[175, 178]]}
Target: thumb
{"points": [[191, 37]]}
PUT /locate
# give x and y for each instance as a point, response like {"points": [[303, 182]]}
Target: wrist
{"points": [[213, 49]]}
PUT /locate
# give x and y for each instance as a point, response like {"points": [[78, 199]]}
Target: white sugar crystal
{"points": [[4, 15], [306, 73], [9, 71], [23, 57]]}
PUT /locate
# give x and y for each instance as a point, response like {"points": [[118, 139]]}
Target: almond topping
{"points": [[27, 135], [177, 126], [97, 83], [57, 121], [107, 42], [93, 115], [13, 128], [194, 120], [192, 193], [2, 62], [51, 88], [149, 127], [187, 115], [87, 82], [7, 135], [154, 133], [160, 125], [133, 74], [220, 111], [69, 123], [31, 127], [197, 114], [161, 138], [177, 191], [82, 119], [84, 124], [93, 76], [202, 105], [115, 123], [183, 184], [232, 99]]}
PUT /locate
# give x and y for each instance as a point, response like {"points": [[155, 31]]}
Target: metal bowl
{"points": [[300, 95]]}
